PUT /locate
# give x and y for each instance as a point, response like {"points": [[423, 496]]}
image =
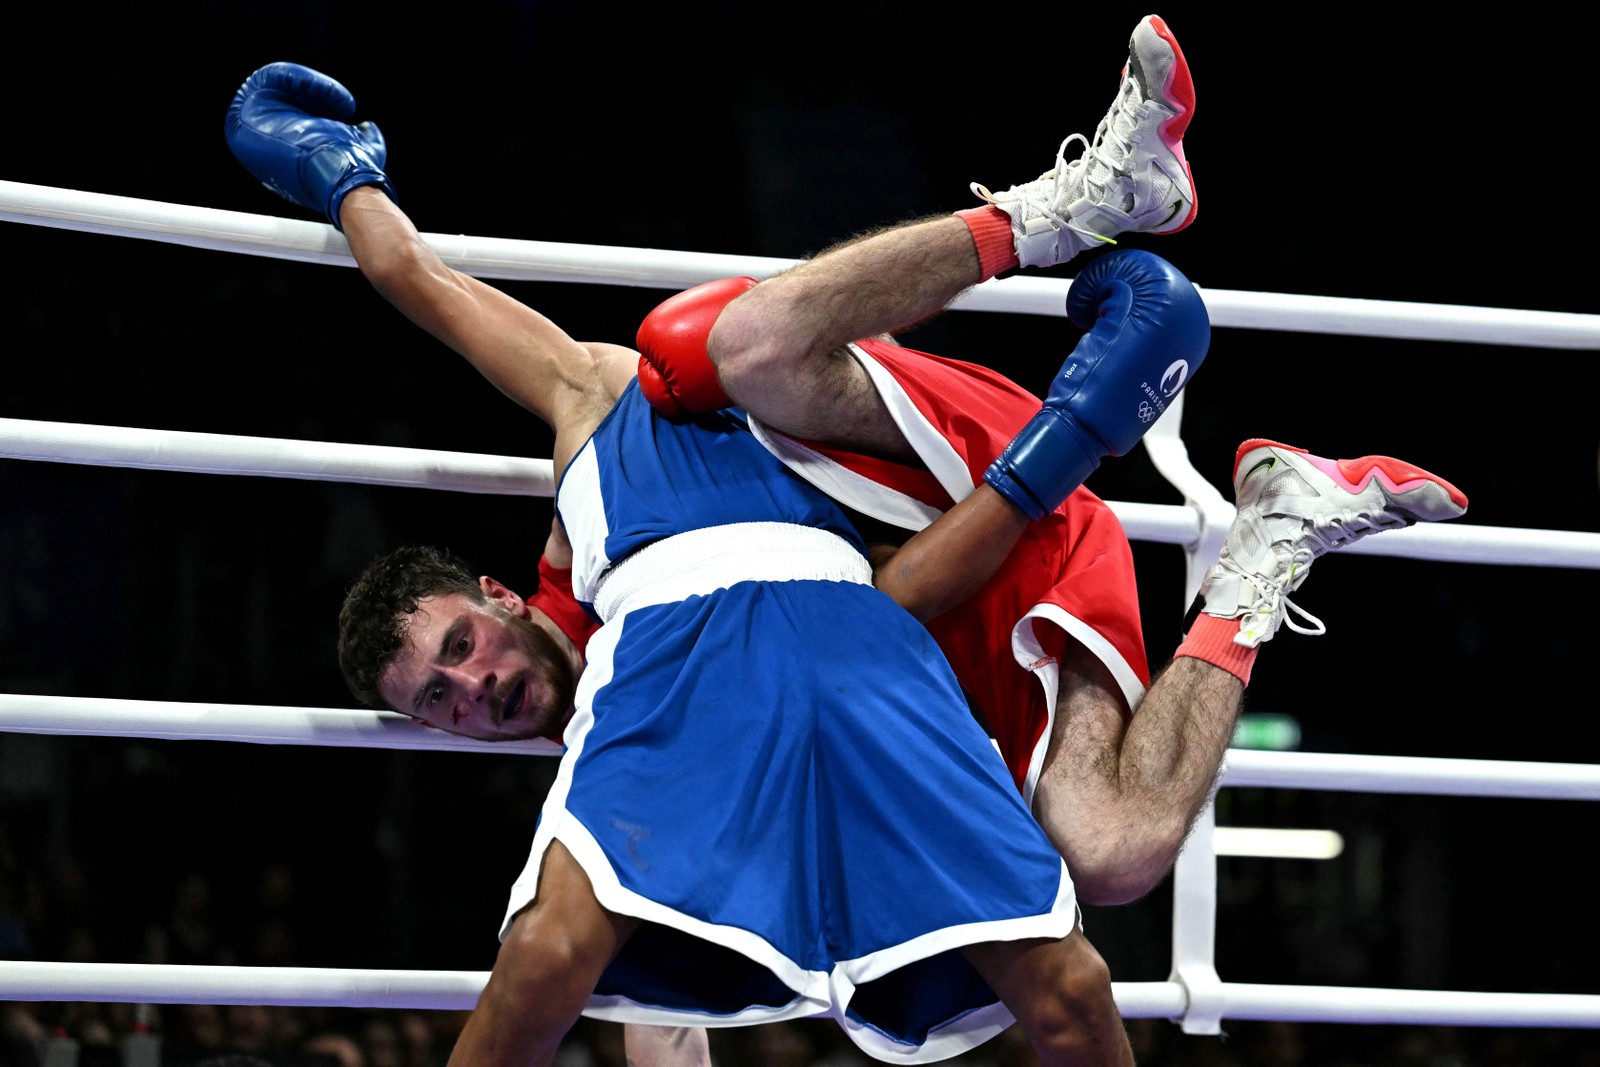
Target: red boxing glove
{"points": [[675, 371]]}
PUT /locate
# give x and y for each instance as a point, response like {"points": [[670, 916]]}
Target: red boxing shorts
{"points": [[1071, 575]]}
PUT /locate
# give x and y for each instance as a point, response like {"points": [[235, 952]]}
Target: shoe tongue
{"points": [[1123, 123], [1125, 120]]}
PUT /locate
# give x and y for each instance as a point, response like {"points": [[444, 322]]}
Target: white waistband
{"points": [[702, 561]]}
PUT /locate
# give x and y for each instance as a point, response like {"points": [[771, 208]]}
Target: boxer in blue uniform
{"points": [[774, 802], [842, 822]]}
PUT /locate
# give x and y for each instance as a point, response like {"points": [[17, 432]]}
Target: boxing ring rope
{"points": [[319, 461], [254, 723], [123, 983], [463, 472], [366, 728], [263, 724], [514, 260], [1194, 996]]}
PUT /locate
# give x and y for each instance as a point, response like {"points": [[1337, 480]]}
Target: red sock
{"points": [[1211, 639], [991, 230]]}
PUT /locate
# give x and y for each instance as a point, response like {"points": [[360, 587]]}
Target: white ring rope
{"points": [[255, 723], [145, 983], [361, 728], [323, 461], [1423, 775], [513, 260], [133, 983], [202, 453]]}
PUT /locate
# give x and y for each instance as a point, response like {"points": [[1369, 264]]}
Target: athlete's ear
{"points": [[499, 594]]}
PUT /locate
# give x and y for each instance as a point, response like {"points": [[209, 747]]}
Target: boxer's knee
{"points": [[556, 948], [746, 342], [1060, 993]]}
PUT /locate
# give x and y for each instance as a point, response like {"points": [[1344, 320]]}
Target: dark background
{"points": [[1357, 152]]}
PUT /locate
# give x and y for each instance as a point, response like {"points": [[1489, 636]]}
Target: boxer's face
{"points": [[480, 669]]}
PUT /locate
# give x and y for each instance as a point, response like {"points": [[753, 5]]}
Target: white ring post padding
{"points": [[1213, 513], [318, 242], [322, 461], [1194, 929], [258, 724], [1430, 775]]}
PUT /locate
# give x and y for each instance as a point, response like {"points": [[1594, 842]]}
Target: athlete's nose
{"points": [[475, 685]]}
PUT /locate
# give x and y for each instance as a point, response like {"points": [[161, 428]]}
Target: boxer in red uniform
{"points": [[1049, 648]]}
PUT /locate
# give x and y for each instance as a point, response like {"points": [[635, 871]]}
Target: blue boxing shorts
{"points": [[773, 766]]}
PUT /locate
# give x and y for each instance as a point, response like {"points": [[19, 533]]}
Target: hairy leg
{"points": [[548, 965], [1060, 993], [1119, 796], [779, 349]]}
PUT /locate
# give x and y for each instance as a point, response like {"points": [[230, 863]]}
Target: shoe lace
{"points": [[1094, 169], [1104, 156], [1272, 604], [1342, 530], [1042, 199]]}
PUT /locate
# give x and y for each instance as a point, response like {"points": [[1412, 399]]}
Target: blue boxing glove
{"points": [[1148, 333], [289, 126]]}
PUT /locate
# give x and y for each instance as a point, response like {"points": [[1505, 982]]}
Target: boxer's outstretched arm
{"points": [[524, 354], [294, 130]]}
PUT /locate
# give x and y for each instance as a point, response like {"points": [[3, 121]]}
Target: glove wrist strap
{"points": [[1043, 464]]}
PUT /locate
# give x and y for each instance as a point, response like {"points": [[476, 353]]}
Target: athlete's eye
{"points": [[435, 695], [461, 644]]}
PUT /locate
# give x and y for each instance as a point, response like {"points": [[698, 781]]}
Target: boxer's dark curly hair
{"points": [[377, 610]]}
